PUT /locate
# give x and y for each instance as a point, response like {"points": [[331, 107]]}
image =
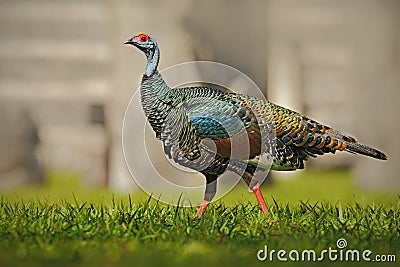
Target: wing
{"points": [[221, 119], [179, 135], [212, 117]]}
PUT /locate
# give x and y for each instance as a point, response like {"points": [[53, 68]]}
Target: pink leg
{"points": [[253, 184], [211, 189], [202, 208], [260, 199]]}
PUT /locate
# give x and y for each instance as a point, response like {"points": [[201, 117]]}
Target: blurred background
{"points": [[66, 78]]}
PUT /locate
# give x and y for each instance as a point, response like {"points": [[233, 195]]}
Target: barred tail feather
{"points": [[352, 146], [365, 150]]}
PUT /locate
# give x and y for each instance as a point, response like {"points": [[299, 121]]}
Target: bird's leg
{"points": [[255, 187], [211, 189]]}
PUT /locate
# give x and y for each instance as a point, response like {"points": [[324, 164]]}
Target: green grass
{"points": [[46, 227]]}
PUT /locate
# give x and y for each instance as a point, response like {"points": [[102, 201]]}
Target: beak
{"points": [[130, 41]]}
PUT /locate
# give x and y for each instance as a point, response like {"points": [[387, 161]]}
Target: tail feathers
{"points": [[365, 150], [354, 147]]}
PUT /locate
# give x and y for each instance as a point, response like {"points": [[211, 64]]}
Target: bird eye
{"points": [[143, 38]]}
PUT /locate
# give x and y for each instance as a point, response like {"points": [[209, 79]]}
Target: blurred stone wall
{"points": [[18, 143], [339, 63], [55, 60]]}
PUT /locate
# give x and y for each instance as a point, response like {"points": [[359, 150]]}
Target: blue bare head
{"points": [[150, 48]]}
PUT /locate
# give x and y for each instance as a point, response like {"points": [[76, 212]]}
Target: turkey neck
{"points": [[153, 86], [153, 57]]}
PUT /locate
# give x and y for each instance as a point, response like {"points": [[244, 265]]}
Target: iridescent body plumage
{"points": [[212, 130]]}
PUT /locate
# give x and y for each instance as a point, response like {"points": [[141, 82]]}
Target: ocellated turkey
{"points": [[208, 129]]}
